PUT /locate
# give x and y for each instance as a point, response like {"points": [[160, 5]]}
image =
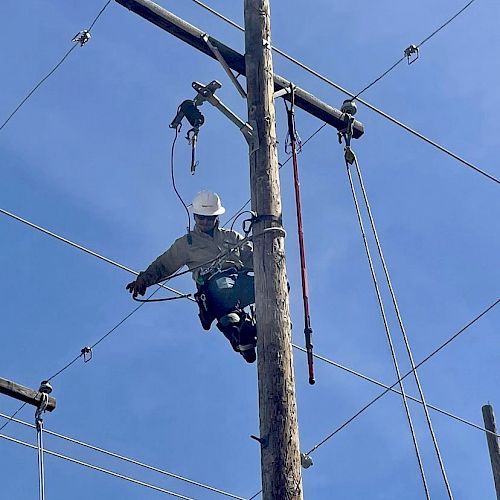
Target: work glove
{"points": [[137, 287]]}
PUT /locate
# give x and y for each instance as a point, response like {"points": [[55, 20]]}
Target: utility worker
{"points": [[221, 264]]}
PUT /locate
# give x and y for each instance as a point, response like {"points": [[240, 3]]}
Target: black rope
{"points": [[177, 130]]}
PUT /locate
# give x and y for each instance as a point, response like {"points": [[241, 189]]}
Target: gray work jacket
{"points": [[202, 249]]}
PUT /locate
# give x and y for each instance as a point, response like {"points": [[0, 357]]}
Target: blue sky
{"points": [[87, 157]]}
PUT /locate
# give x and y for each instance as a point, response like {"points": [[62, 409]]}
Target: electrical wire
{"points": [[445, 24], [432, 354], [388, 335], [416, 47], [109, 261], [80, 247], [322, 358], [11, 418], [52, 71], [107, 334], [395, 391], [365, 103], [172, 174], [402, 328], [128, 460], [352, 418], [99, 469], [99, 15]]}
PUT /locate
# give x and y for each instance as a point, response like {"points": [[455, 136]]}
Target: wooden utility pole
{"points": [[280, 454], [489, 424]]}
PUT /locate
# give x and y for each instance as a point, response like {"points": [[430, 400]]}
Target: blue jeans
{"points": [[229, 290]]}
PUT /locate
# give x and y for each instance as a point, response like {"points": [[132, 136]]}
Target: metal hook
{"points": [[192, 137], [87, 354], [82, 37], [409, 52]]}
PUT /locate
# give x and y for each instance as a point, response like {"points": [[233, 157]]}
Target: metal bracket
{"points": [[411, 51], [305, 460], [263, 441], [82, 37], [207, 93], [224, 64], [282, 92], [86, 352]]}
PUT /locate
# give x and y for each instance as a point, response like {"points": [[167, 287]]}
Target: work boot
{"points": [[248, 352], [229, 326], [248, 340]]}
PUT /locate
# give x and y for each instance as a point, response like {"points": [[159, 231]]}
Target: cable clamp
{"points": [[82, 37], [87, 354], [45, 389], [349, 155], [411, 53], [305, 460]]}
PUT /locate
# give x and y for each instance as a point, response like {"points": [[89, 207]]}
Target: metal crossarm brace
{"points": [[224, 64], [207, 93]]}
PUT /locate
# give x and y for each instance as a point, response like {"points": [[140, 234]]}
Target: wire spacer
{"points": [[410, 51], [86, 352], [82, 37]]}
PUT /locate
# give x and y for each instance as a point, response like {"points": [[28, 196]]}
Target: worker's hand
{"points": [[137, 287]]}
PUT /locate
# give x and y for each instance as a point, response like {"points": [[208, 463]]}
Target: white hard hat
{"points": [[207, 203]]}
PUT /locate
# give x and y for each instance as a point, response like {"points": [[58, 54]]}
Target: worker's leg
{"points": [[227, 293]]}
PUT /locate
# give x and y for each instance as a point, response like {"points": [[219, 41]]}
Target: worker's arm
{"points": [[246, 254], [161, 268]]}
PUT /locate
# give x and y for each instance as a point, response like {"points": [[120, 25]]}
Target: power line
{"points": [[433, 353], [99, 15], [412, 48], [11, 418], [109, 332], [109, 261], [52, 71], [388, 335], [100, 469], [401, 326], [380, 384], [445, 24], [105, 259], [82, 248], [127, 459], [365, 103]]}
